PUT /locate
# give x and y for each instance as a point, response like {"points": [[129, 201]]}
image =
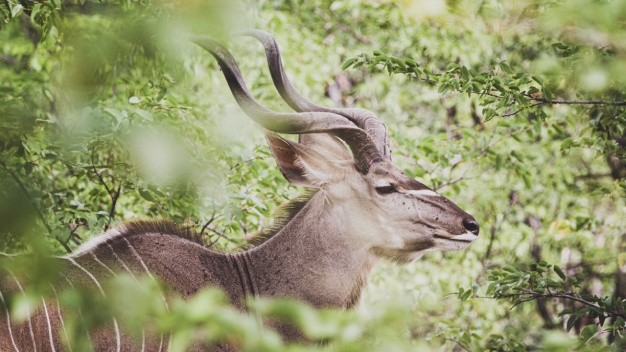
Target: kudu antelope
{"points": [[362, 208]]}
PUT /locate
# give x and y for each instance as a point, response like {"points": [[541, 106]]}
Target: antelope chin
{"points": [[456, 242]]}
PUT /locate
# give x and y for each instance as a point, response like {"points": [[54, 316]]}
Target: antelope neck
{"points": [[311, 259]]}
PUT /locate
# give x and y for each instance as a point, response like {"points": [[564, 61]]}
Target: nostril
{"points": [[471, 226]]}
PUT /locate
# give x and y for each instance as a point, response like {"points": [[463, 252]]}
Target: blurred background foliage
{"points": [[513, 109]]}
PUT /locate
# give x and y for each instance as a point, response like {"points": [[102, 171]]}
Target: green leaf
{"points": [[567, 143], [589, 332], [464, 72], [571, 321], [527, 179], [144, 114], [17, 10], [505, 67], [145, 194], [410, 62], [348, 63], [115, 113], [559, 272], [548, 94], [510, 269], [465, 295], [161, 94], [452, 67], [560, 46], [517, 155]]}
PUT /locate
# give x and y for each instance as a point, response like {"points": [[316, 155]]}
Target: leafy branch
{"points": [[521, 286], [502, 91]]}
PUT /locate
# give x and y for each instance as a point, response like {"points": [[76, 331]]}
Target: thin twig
{"points": [[580, 102], [219, 233], [93, 165], [114, 199], [522, 109], [459, 343], [204, 227], [343, 26], [568, 296], [246, 162], [114, 195]]}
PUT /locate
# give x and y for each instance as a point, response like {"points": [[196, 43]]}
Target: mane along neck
{"points": [[284, 214]]}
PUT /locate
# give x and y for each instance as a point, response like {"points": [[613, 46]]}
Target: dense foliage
{"points": [[516, 110]]}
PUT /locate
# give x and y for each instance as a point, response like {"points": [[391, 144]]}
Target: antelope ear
{"points": [[326, 144], [300, 164]]}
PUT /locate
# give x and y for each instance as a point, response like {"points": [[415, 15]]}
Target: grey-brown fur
{"points": [[286, 265]]}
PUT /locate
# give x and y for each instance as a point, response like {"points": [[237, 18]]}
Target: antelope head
{"points": [[380, 208]]}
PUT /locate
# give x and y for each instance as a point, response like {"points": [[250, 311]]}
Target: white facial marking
{"points": [[381, 183], [468, 236], [423, 192]]}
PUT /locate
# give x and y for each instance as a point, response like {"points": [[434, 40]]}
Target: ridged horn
{"points": [[363, 147], [365, 119]]}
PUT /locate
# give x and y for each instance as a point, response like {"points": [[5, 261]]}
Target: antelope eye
{"points": [[387, 189]]}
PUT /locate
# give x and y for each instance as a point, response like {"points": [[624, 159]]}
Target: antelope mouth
{"points": [[466, 237]]}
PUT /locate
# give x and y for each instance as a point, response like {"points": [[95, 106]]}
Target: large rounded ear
{"points": [[300, 164], [326, 144]]}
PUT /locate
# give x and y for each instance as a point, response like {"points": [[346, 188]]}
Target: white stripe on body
{"points": [[80, 312], [86, 272], [132, 249], [67, 339], [122, 262], [101, 263], [117, 330], [6, 309], [117, 335], [45, 309], [30, 324], [143, 264]]}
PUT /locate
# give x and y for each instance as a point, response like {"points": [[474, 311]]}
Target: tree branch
{"points": [[572, 296]]}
